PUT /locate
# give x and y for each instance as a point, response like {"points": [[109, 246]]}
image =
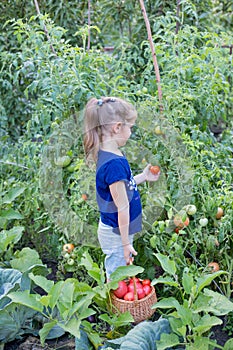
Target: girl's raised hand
{"points": [[149, 175]]}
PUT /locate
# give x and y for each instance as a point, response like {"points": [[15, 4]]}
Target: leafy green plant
{"points": [[195, 311], [67, 304], [15, 319]]}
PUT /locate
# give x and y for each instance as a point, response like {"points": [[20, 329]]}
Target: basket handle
{"points": [[134, 282]]}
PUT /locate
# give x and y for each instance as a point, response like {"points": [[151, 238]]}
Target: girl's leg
{"points": [[111, 245]]}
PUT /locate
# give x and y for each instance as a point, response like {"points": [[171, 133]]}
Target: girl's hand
{"points": [[128, 251], [148, 174]]}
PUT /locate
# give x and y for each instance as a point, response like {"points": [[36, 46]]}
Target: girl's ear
{"points": [[117, 127]]}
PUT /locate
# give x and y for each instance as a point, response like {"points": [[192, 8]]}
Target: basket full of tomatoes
{"points": [[136, 296]]}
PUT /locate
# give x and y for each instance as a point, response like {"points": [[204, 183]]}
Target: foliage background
{"points": [[45, 81]]}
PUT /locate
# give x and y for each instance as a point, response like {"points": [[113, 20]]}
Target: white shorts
{"points": [[111, 246]]}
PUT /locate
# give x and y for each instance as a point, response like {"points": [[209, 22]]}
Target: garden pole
{"points": [[155, 63], [45, 29], [89, 25]]}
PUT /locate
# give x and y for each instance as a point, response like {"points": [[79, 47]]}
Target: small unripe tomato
{"points": [[158, 130], [191, 209], [70, 262], [203, 222]]}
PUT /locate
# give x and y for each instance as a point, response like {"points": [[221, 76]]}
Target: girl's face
{"points": [[125, 132]]}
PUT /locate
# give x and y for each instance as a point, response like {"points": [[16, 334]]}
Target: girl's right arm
{"points": [[120, 199]]}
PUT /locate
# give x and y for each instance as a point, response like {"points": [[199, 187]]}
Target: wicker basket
{"points": [[139, 309]]}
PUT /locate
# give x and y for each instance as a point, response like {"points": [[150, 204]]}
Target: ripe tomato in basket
{"points": [[131, 286], [141, 293], [129, 296], [121, 290], [147, 289], [146, 282]]}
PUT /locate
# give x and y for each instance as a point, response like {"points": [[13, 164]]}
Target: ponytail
{"points": [[92, 132], [98, 116]]}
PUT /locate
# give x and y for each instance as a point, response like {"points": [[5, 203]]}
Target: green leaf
{"points": [[118, 320], [202, 304], [218, 304], [200, 343], [167, 303], [206, 323], [82, 342], [25, 259], [26, 299], [185, 314], [11, 214], [228, 345], [72, 326], [123, 272], [8, 279], [167, 264], [165, 280], [205, 280], [11, 236], [12, 194], [166, 341], [42, 282], [45, 330], [177, 325], [55, 293], [187, 282]]}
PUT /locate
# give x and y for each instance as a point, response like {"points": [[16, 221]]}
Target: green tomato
{"points": [[191, 209], [203, 222], [144, 90], [63, 162], [70, 262]]}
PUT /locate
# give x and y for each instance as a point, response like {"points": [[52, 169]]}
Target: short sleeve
{"points": [[116, 171]]}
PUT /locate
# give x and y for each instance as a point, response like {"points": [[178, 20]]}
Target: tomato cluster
{"points": [[126, 289]]}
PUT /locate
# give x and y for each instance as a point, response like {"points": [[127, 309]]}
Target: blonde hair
{"points": [[99, 115]]}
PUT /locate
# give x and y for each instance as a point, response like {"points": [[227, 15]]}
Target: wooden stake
{"points": [[155, 63]]}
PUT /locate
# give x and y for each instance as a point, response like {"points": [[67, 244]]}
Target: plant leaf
{"points": [[26, 299], [218, 304], [205, 280], [166, 341], [167, 264]]}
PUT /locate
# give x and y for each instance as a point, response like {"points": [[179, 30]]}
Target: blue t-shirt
{"points": [[112, 168]]}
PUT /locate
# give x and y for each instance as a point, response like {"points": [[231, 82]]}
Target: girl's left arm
{"points": [[146, 175]]}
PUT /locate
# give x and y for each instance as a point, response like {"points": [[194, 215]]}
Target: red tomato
{"points": [[214, 266], [154, 169], [121, 290], [147, 289], [131, 287], [135, 278], [129, 296], [146, 282], [141, 293], [84, 196]]}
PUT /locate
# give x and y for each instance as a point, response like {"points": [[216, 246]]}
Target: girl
{"points": [[107, 127]]}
